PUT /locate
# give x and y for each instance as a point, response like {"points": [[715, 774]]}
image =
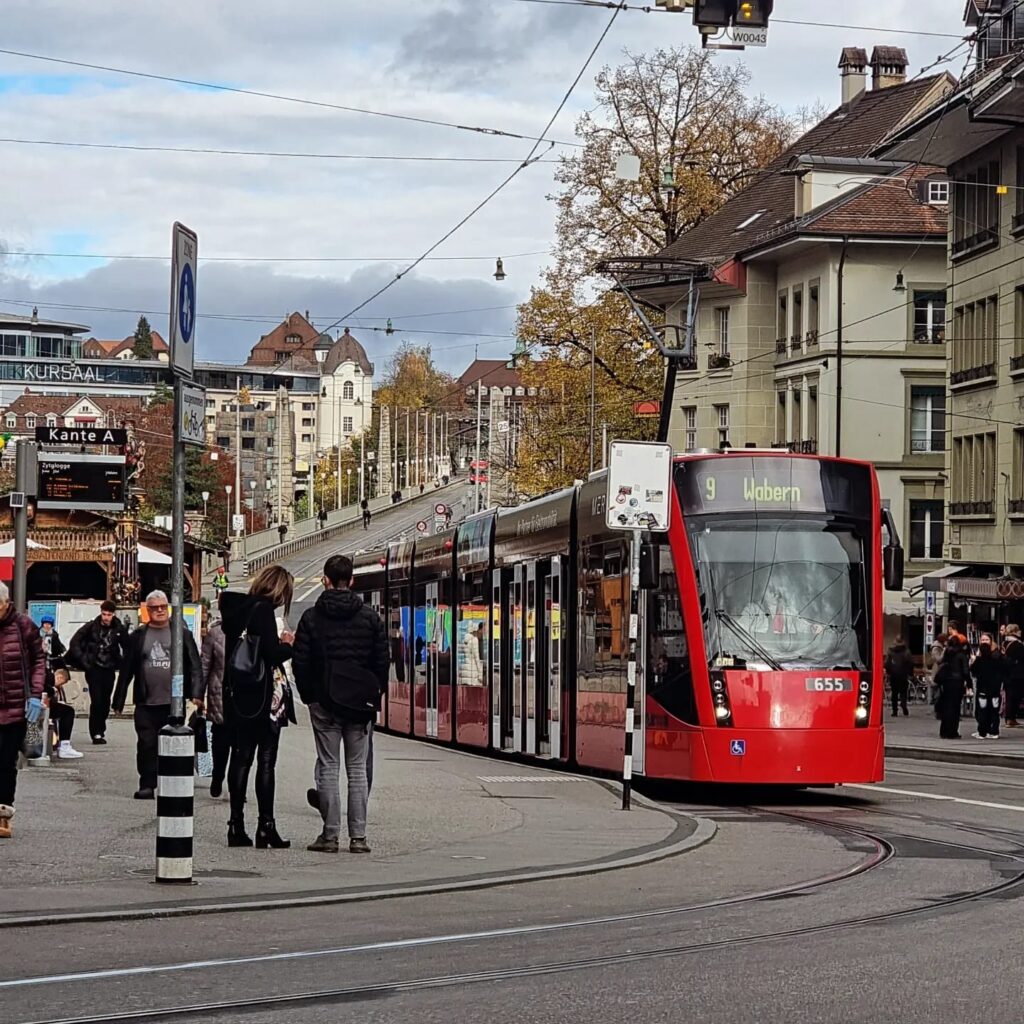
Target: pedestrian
{"points": [[225, 555], [899, 666], [53, 646], [282, 532], [421, 488], [951, 678], [62, 714], [146, 667], [220, 580], [341, 671], [98, 647], [22, 680], [257, 701], [1013, 652], [323, 518], [213, 687], [472, 665], [989, 671], [365, 506]]}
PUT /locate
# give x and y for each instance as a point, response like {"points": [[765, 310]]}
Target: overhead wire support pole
{"points": [[593, 361]]}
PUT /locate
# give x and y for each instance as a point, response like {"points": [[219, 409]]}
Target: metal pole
{"points": [[177, 569], [479, 421], [337, 434], [416, 445], [24, 471], [281, 412], [407, 463], [362, 464], [593, 362], [839, 349], [238, 447], [604, 445], [634, 611]]}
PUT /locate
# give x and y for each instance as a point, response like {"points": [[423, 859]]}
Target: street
{"points": [[823, 905]]}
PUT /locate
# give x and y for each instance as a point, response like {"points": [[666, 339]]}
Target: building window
{"points": [[307, 421], [293, 339], [307, 438], [1017, 473], [1018, 216], [782, 328], [781, 423], [348, 391], [30, 421], [249, 444], [690, 428], [346, 425], [812, 418], [211, 403], [12, 422], [752, 219], [976, 209], [223, 441], [937, 193], [270, 444], [813, 312], [927, 530], [1017, 359], [51, 420], [929, 317], [975, 334], [927, 419], [974, 475], [798, 317], [248, 423], [722, 415], [307, 406], [722, 330]]}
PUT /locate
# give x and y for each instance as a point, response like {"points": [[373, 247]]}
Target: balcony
{"points": [[1016, 364], [1016, 506], [970, 245], [972, 508], [812, 338], [781, 347], [973, 374], [808, 447]]}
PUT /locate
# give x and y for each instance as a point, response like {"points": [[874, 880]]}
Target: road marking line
{"points": [[935, 796]]}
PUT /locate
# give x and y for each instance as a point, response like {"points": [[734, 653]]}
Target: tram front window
{"points": [[782, 594]]}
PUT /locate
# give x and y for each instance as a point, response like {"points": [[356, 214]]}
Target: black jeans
{"points": [[948, 708], [986, 711], [220, 749], [101, 685], [1013, 695], [63, 715], [149, 720], [251, 744], [11, 738], [900, 688]]}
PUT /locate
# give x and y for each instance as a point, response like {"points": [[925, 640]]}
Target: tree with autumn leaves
{"points": [[700, 138]]}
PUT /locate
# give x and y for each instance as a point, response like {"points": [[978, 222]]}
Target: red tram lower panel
{"points": [[472, 715], [398, 708]]}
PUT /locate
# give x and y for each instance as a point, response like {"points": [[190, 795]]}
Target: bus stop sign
{"points": [[639, 484]]}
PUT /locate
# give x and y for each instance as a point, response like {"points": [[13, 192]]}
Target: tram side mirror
{"points": [[650, 557], [892, 560]]}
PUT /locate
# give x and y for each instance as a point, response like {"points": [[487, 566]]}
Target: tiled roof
{"points": [[856, 56], [264, 352], [889, 55], [41, 406], [112, 349], [492, 373], [852, 130], [347, 350]]}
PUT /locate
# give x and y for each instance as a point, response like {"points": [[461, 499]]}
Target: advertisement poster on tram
{"points": [[471, 645]]}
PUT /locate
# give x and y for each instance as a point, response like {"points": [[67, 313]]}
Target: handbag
{"points": [[245, 675], [197, 723]]}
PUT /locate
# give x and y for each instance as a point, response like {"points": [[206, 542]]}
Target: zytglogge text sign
{"points": [[184, 264]]}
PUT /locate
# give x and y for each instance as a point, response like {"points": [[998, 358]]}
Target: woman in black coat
{"points": [[951, 679], [255, 714]]}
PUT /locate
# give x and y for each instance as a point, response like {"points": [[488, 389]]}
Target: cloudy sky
{"points": [[313, 225]]}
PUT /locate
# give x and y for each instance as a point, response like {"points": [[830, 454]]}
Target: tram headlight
{"points": [[721, 712], [861, 713], [865, 686]]}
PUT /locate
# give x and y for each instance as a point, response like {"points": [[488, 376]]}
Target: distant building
{"points": [[95, 348]]}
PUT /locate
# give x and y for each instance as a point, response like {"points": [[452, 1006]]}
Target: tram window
{"points": [[472, 640], [397, 634], [669, 674], [604, 619]]}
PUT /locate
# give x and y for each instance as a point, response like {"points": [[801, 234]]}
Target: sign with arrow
{"points": [[184, 266]]}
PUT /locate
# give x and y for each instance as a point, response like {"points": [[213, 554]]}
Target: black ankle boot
{"points": [[266, 835], [236, 833]]}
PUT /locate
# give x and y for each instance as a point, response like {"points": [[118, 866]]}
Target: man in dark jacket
{"points": [[147, 666], [340, 639], [899, 666], [97, 647], [989, 671], [1013, 652]]}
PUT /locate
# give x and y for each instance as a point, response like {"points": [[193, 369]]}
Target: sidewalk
{"points": [[917, 736], [439, 820]]}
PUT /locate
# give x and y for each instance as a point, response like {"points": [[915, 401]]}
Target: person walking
{"points": [[22, 680], [1013, 652], [341, 671], [146, 667], [213, 686], [365, 506], [472, 666], [899, 666], [989, 671], [257, 700], [951, 679], [98, 647]]}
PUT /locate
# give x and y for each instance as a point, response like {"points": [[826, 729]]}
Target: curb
{"points": [[703, 833], [956, 757]]}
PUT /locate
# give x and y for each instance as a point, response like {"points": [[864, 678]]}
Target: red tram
{"points": [[760, 626]]}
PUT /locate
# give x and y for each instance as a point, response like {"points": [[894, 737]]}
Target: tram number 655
{"points": [[826, 684]]}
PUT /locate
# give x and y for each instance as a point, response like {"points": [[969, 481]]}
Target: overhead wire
{"points": [[269, 259]]}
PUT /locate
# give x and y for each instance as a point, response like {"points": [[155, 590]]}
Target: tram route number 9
{"points": [[826, 684]]}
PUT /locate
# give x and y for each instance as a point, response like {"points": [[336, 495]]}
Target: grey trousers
{"points": [[331, 735]]}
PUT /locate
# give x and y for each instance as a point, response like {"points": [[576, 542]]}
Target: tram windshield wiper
{"points": [[748, 638]]}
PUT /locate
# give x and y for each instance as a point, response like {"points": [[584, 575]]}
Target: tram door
{"points": [[517, 629], [532, 657], [501, 686], [434, 632], [550, 715]]}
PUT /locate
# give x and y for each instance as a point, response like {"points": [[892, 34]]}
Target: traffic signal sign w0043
{"points": [[754, 13], [719, 14]]}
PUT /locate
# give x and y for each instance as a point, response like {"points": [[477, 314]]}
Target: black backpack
{"points": [[246, 675], [350, 690]]}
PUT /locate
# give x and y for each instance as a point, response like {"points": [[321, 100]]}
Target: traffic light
{"points": [[710, 15], [754, 13]]}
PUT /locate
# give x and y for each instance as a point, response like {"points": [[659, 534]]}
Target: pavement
{"points": [[439, 820], [916, 736]]}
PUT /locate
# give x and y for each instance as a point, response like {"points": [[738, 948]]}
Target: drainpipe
{"points": [[839, 348]]}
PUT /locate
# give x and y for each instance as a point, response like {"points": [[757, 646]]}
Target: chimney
{"points": [[888, 67], [853, 71]]}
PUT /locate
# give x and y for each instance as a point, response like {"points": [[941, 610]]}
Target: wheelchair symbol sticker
{"points": [[737, 747]]}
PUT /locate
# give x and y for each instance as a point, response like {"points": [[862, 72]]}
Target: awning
{"points": [[146, 556], [905, 609], [933, 580], [7, 548]]}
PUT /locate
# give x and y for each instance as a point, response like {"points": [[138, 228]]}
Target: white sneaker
{"points": [[992, 736], [977, 736], [67, 752]]}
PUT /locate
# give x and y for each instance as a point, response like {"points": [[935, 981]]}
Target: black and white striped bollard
{"points": [[174, 804], [634, 613]]}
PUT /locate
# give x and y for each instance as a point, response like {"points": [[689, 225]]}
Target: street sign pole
{"points": [[24, 473], [175, 787]]}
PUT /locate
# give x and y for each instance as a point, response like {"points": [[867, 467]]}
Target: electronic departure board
{"points": [[94, 482], [736, 483]]}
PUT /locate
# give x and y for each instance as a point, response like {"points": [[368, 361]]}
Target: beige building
{"points": [[820, 321], [978, 134]]}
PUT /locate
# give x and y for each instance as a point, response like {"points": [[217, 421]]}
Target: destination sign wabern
{"points": [[81, 435]]}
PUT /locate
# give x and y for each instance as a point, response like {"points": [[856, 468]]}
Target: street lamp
{"points": [[252, 506], [227, 487], [348, 487], [206, 499], [321, 348]]}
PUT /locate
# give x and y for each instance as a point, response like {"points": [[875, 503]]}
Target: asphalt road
{"points": [[891, 903]]}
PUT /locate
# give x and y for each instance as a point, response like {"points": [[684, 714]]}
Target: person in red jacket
{"points": [[22, 677]]}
